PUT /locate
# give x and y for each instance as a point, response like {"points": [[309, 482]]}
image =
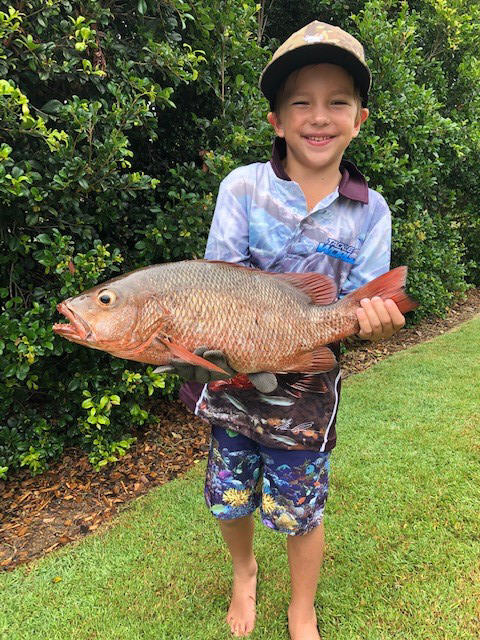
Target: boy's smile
{"points": [[318, 113]]}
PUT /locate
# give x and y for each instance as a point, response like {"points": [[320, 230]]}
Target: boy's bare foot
{"points": [[242, 610], [303, 625]]}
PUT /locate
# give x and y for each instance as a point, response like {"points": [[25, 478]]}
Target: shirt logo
{"points": [[337, 249]]}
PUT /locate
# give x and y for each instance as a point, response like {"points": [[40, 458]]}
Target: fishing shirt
{"points": [[261, 220]]}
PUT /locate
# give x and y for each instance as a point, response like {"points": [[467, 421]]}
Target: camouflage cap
{"points": [[315, 43]]}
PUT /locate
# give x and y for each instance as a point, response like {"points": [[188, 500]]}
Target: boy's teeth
{"points": [[318, 138]]}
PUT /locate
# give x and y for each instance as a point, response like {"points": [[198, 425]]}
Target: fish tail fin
{"points": [[389, 286]]}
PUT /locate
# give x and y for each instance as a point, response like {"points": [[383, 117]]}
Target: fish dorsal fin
{"points": [[229, 264], [319, 288]]}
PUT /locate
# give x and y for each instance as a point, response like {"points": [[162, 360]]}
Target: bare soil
{"points": [[42, 513]]}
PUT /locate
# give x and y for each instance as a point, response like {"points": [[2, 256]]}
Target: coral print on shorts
{"points": [[290, 488]]}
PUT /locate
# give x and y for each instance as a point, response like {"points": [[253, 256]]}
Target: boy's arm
{"points": [[378, 319], [228, 240], [228, 237]]}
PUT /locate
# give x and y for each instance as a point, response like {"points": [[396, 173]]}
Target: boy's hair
{"points": [[315, 43]]}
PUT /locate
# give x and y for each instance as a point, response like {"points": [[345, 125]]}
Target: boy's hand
{"points": [[378, 319], [197, 373], [263, 381]]}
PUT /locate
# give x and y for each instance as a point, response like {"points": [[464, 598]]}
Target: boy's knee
{"points": [[235, 522]]}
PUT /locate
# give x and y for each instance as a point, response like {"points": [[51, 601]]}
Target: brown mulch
{"points": [[70, 500]]}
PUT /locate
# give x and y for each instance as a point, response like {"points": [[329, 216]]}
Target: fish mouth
{"points": [[75, 329]]}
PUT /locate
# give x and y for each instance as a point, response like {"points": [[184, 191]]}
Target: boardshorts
{"points": [[290, 487]]}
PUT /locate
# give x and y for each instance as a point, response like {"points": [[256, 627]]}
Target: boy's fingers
{"points": [[372, 314], [383, 314], [397, 317], [264, 381], [365, 328], [378, 318]]}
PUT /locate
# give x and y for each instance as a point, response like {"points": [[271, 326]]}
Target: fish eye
{"points": [[107, 297]]}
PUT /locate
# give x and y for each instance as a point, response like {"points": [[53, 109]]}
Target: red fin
{"points": [[309, 382], [319, 288], [388, 286], [187, 356], [321, 359]]}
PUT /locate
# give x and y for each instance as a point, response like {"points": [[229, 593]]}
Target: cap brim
{"points": [[276, 72]]}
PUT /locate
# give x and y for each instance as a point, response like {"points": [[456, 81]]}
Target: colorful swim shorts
{"points": [[290, 487]]}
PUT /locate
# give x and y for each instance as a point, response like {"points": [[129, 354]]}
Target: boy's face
{"points": [[318, 113]]}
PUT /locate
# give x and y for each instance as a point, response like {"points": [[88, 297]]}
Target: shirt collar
{"points": [[353, 185]]}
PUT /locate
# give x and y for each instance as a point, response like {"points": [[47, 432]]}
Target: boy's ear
{"points": [[362, 116], [274, 120]]}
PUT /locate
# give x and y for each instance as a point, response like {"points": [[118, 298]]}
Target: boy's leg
{"points": [[231, 493], [238, 534], [295, 490], [305, 557]]}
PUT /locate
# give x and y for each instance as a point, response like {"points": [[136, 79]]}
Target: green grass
{"points": [[402, 526]]}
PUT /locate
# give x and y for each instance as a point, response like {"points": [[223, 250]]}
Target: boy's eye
{"points": [[300, 102]]}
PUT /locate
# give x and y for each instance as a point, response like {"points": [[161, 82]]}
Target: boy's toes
{"points": [[240, 629]]}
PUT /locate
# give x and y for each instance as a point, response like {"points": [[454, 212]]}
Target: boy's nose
{"points": [[320, 118]]}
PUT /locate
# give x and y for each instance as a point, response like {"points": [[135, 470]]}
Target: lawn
{"points": [[402, 526]]}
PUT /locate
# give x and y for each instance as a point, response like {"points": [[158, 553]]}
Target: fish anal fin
{"points": [[316, 361], [180, 352]]}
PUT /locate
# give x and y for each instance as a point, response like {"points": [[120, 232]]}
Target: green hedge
{"points": [[118, 120]]}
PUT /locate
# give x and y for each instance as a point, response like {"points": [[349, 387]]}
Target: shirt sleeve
{"points": [[374, 255], [228, 238]]}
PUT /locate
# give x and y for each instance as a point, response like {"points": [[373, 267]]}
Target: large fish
{"points": [[262, 321]]}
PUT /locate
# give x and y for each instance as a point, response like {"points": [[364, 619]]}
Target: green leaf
{"points": [[142, 7], [22, 370], [43, 238], [10, 370], [52, 106], [73, 385]]}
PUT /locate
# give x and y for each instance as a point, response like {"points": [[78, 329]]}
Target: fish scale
{"points": [[261, 321], [253, 299]]}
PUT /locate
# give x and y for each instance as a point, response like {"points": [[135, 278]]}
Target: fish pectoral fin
{"points": [[316, 361], [184, 354]]}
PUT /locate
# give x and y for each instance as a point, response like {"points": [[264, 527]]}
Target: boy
{"points": [[305, 210]]}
